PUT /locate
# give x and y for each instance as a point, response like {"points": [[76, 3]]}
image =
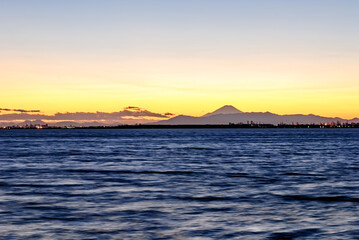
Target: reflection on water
{"points": [[179, 184]]}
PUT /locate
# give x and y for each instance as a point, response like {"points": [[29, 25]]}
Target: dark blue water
{"points": [[179, 184]]}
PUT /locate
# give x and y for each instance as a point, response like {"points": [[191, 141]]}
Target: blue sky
{"points": [[180, 27]]}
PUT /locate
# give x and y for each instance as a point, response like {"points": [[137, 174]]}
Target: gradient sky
{"points": [[185, 56]]}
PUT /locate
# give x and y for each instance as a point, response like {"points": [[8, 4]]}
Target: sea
{"points": [[179, 184]]}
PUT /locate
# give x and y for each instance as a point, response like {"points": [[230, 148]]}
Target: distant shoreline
{"points": [[209, 126]]}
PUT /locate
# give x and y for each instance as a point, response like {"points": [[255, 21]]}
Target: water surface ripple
{"points": [[179, 184]]}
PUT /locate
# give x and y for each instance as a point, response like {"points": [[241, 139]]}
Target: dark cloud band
{"points": [[128, 112], [19, 110]]}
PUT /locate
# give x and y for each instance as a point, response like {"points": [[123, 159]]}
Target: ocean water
{"points": [[179, 184]]}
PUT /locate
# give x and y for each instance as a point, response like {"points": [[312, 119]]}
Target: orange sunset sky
{"points": [[183, 57]]}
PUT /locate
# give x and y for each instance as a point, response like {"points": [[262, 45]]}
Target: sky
{"points": [[183, 57]]}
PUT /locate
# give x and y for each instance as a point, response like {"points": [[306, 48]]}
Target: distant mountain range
{"points": [[55, 124], [229, 114], [224, 115]]}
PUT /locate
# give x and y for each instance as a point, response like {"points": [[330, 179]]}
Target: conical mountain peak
{"points": [[226, 109]]}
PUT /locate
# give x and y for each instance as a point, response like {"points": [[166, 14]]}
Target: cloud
{"points": [[131, 108], [18, 110], [127, 113], [169, 114]]}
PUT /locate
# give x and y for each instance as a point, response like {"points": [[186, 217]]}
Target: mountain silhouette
{"points": [[224, 116], [34, 122], [229, 114], [226, 109]]}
